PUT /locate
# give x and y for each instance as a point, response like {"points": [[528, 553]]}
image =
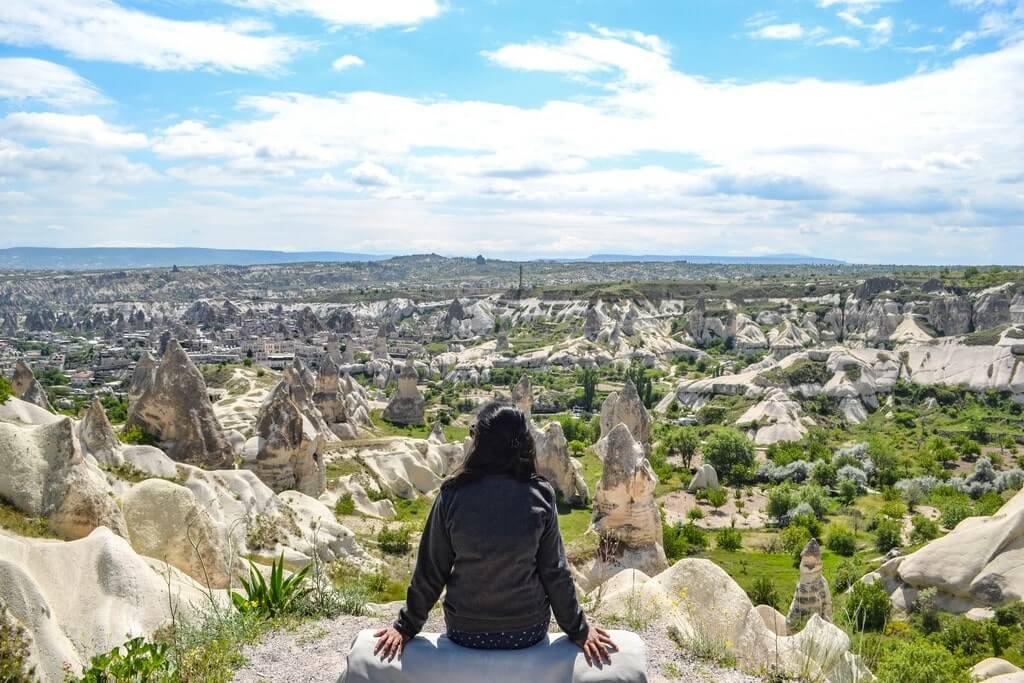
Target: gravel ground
{"points": [[315, 653]]}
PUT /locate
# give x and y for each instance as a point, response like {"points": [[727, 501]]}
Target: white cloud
{"points": [[634, 54], [369, 174], [779, 32], [105, 31], [841, 41], [25, 78], [367, 13], [70, 129], [346, 62]]}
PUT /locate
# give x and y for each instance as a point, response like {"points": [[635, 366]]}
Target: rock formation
{"points": [[329, 399], [522, 395], [626, 516], [175, 408], [812, 593], [775, 418], [705, 478], [592, 325], [624, 407], [380, 345], [407, 405], [46, 475], [556, 465], [306, 322], [166, 522], [27, 387], [142, 378], [95, 433], [285, 453]]}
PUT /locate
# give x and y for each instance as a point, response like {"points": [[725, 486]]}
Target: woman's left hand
{"points": [[390, 643]]}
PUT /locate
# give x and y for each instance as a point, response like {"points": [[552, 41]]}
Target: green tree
{"points": [[729, 451], [588, 380], [644, 386], [682, 441], [920, 661]]}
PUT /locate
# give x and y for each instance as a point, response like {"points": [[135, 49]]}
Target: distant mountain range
{"points": [[101, 258], [770, 259]]}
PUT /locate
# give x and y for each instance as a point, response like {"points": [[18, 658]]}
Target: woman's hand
{"points": [[597, 646], [389, 643]]}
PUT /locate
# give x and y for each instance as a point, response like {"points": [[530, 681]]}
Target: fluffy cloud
{"points": [[25, 78], [369, 174], [779, 32], [367, 13], [346, 62], [70, 129], [104, 30]]}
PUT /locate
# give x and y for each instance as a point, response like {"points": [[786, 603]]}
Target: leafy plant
{"points": [[841, 540], [924, 529], [345, 505], [729, 539], [6, 390], [273, 598], [137, 661], [763, 592], [888, 534], [14, 649], [729, 452], [394, 541], [920, 661], [717, 497], [868, 606], [135, 435]]}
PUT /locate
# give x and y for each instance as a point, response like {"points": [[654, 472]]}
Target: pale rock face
{"points": [[95, 432], [142, 378], [286, 446], [625, 513], [556, 465], [27, 387], [357, 404], [749, 336], [407, 405], [950, 314], [592, 324], [118, 595], [380, 347], [330, 399], [522, 395], [996, 669], [166, 522], [853, 410], [777, 418], [624, 407], [351, 485], [992, 307], [787, 339], [812, 593], [705, 478], [702, 601], [176, 409], [978, 564], [43, 473]]}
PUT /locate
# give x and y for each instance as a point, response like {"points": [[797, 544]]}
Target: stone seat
{"points": [[432, 658]]}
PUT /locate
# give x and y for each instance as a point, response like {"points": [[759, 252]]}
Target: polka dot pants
{"points": [[505, 640]]}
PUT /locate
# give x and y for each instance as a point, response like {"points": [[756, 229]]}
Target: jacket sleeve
{"points": [[433, 567], [556, 578]]}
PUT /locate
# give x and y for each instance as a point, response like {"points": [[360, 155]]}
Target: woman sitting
{"points": [[492, 540]]}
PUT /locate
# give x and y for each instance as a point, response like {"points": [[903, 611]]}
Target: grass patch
{"points": [[17, 522]]}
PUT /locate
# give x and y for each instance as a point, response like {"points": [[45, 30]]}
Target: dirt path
{"points": [[316, 651]]}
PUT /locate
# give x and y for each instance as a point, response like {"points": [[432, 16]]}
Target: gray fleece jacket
{"points": [[494, 543]]}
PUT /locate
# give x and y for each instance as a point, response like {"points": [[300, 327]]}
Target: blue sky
{"points": [[869, 130]]}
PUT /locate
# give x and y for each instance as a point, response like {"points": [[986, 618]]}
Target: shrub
{"points": [[925, 605], [793, 539], [683, 539], [954, 513], [729, 539], [920, 661], [273, 598], [727, 450], [894, 509], [888, 534], [847, 573], [962, 636], [135, 435], [345, 505], [924, 529], [763, 592], [695, 513], [841, 540], [1011, 614], [6, 390], [717, 497], [998, 636], [816, 497], [781, 500], [807, 520], [15, 648], [823, 473], [140, 661], [847, 491], [394, 541], [868, 606]]}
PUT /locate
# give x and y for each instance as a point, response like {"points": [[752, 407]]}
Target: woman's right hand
{"points": [[597, 646]]}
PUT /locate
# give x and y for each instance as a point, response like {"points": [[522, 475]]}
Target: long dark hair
{"points": [[502, 444]]}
